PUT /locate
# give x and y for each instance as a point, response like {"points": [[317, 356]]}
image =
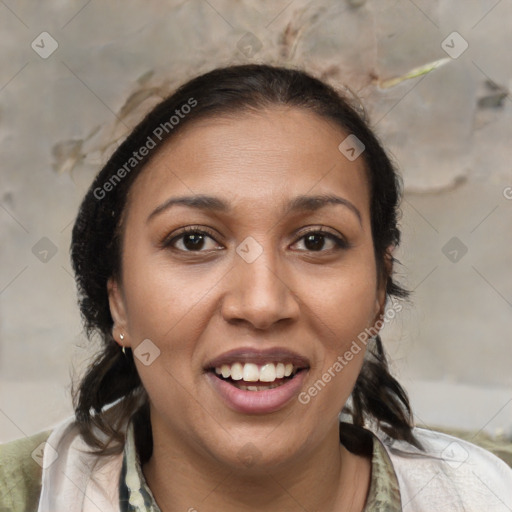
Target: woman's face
{"points": [[256, 289]]}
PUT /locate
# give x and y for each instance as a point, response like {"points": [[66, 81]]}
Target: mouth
{"points": [[254, 377], [257, 382]]}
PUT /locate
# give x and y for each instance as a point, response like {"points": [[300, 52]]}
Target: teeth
{"points": [[251, 372], [268, 373], [225, 370], [236, 371]]}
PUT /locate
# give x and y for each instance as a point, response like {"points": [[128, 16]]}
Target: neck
{"points": [[327, 478]]}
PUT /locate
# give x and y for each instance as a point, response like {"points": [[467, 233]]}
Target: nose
{"points": [[259, 293]]}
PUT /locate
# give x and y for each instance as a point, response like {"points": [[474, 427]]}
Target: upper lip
{"points": [[252, 355]]}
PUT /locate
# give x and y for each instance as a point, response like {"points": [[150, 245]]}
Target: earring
{"points": [[121, 337]]}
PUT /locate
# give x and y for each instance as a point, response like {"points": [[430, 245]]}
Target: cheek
{"points": [[345, 303], [344, 306], [164, 306], [341, 357], [170, 305], [160, 297]]}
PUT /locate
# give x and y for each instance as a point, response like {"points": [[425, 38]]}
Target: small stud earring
{"points": [[121, 336]]}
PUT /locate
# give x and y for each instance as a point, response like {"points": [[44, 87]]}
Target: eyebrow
{"points": [[299, 203]]}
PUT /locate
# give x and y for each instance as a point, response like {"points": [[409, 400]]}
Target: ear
{"points": [[118, 311]]}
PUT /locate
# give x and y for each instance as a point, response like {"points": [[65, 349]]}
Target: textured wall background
{"points": [[434, 76]]}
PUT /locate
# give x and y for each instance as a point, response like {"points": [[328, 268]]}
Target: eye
{"points": [[192, 239], [314, 240]]}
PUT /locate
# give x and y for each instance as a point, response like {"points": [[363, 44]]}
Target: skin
{"points": [[199, 304]]}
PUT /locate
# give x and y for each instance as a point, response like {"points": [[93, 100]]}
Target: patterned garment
{"points": [[384, 493], [134, 492], [136, 496]]}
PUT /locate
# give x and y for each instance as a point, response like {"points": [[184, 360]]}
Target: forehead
{"points": [[254, 159]]}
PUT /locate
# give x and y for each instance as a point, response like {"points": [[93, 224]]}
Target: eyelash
{"points": [[168, 241]]}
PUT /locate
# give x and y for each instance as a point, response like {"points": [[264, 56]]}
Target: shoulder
{"points": [[455, 451], [21, 471], [449, 471]]}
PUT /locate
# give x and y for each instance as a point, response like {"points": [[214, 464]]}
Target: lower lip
{"points": [[257, 402]]}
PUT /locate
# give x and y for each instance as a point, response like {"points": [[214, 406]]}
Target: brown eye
{"points": [[314, 241], [191, 239]]}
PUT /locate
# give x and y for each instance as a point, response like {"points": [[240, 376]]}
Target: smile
{"points": [[251, 372], [252, 389], [256, 381]]}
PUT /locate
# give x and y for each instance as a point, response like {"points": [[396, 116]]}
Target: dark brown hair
{"points": [[96, 244]]}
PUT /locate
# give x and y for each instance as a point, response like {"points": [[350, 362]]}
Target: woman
{"points": [[235, 255]]}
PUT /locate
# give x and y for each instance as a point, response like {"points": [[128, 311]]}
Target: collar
{"points": [[134, 492]]}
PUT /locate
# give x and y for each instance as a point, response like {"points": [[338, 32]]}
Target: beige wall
{"points": [[449, 131]]}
